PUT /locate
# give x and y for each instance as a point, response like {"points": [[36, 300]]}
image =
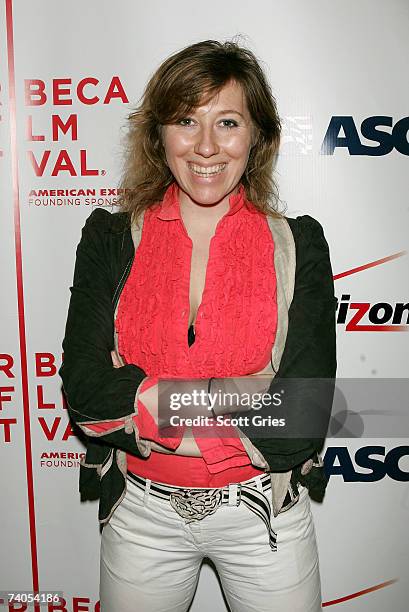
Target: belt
{"points": [[196, 503]]}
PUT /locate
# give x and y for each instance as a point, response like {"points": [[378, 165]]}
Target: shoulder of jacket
{"points": [[303, 223], [104, 221], [307, 231]]}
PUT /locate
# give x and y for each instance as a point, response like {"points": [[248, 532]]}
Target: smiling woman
{"points": [[194, 279], [214, 92], [208, 151]]}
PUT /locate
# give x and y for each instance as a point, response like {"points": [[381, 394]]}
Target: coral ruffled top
{"points": [[234, 331]]}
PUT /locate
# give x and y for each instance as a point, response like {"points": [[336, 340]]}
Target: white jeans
{"points": [[150, 558]]}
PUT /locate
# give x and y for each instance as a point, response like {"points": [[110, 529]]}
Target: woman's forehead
{"points": [[229, 97]]}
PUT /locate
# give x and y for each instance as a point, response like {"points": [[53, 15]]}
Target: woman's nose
{"points": [[206, 143]]}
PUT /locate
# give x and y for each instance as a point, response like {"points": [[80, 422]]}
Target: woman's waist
{"points": [[189, 471]]}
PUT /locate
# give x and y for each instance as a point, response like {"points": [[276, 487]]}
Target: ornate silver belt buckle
{"points": [[195, 504]]}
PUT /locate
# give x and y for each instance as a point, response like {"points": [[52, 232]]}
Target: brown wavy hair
{"points": [[184, 81]]}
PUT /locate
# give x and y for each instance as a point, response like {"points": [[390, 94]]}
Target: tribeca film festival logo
{"points": [[49, 152], [49, 420]]}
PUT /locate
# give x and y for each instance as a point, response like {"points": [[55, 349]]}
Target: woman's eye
{"points": [[185, 121], [229, 123]]}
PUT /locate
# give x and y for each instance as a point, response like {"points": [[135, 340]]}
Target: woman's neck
{"points": [[202, 217]]}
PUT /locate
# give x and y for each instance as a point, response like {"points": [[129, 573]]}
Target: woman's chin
{"points": [[207, 194]]}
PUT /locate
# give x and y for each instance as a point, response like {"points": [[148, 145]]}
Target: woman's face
{"points": [[207, 151]]}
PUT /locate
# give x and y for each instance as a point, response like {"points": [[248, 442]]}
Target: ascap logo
{"points": [[389, 138], [376, 459]]}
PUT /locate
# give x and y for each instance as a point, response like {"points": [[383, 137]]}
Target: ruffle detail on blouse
{"points": [[236, 321], [235, 325]]}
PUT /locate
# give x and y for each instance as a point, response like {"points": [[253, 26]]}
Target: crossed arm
{"points": [[146, 404]]}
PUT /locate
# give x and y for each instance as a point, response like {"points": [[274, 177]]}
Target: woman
{"points": [[214, 285]]}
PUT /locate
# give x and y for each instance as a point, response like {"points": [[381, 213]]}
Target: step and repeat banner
{"points": [[70, 73]]}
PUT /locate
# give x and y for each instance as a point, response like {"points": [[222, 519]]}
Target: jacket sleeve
{"points": [[310, 349], [97, 392], [143, 423]]}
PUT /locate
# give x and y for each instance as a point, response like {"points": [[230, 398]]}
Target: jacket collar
{"points": [[170, 206]]}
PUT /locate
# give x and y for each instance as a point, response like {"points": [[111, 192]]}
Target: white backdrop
{"points": [[324, 60]]}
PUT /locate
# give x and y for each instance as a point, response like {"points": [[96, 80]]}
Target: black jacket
{"points": [[97, 391]]}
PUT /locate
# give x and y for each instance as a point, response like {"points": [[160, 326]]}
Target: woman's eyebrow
{"points": [[225, 112]]}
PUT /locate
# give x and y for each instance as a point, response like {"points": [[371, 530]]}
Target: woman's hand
{"points": [[242, 386], [149, 398], [188, 446]]}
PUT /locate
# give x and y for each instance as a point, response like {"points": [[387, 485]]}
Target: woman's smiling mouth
{"points": [[206, 172]]}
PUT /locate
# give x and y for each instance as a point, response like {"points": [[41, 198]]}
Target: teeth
{"points": [[207, 171]]}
